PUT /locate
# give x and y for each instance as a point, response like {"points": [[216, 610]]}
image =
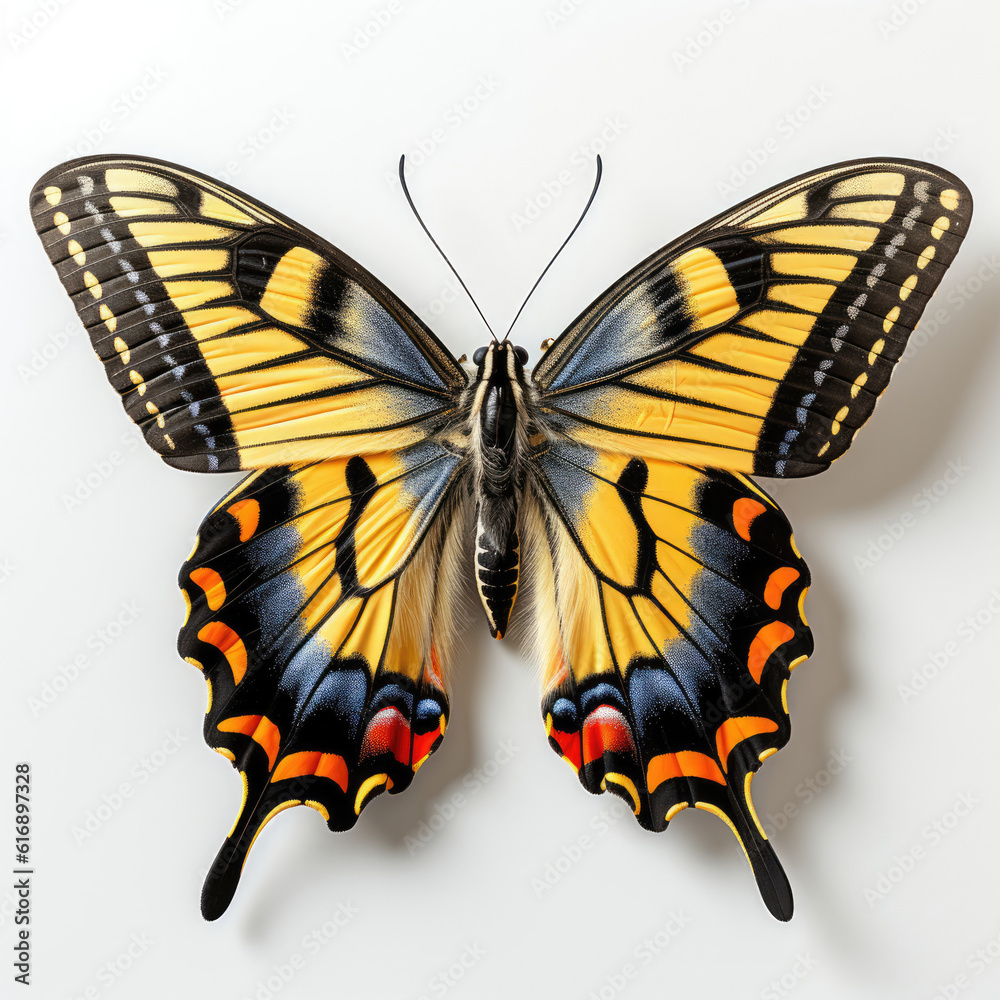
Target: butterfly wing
{"points": [[669, 611], [760, 341], [236, 338], [319, 603], [319, 591], [668, 603]]}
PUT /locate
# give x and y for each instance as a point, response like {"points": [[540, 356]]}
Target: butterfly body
{"points": [[667, 590], [500, 422]]}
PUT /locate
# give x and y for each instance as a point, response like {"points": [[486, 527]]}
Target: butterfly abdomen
{"points": [[497, 415], [497, 560]]}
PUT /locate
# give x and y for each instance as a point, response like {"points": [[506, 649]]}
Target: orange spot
{"points": [[211, 583], [765, 642], [259, 728], [777, 583], [734, 731], [744, 511], [229, 644], [247, 512], [686, 763], [323, 765]]}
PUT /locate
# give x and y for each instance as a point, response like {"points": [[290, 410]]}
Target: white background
{"points": [[198, 82]]}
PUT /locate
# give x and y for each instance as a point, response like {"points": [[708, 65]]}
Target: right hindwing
{"points": [[668, 613]]}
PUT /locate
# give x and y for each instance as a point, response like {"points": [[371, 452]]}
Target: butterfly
{"points": [[667, 589]]}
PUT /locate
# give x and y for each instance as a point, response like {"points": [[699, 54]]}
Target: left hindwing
{"points": [[320, 614], [760, 341], [236, 338], [669, 615]]}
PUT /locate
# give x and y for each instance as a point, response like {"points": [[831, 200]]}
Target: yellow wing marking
{"points": [[191, 294], [156, 234], [369, 787], [788, 210], [855, 238], [371, 632], [606, 529], [213, 207], [173, 263], [127, 205], [711, 298], [811, 297], [288, 296], [128, 179], [750, 805], [949, 199], [887, 183], [792, 328], [225, 355], [624, 629], [863, 211], [624, 782], [832, 266]]}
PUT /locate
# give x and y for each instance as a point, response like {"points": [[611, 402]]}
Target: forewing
{"points": [[319, 611], [760, 341], [236, 338], [669, 616]]}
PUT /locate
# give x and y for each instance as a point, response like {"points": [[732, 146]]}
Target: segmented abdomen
{"points": [[497, 560]]}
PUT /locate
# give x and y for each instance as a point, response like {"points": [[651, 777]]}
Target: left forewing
{"points": [[669, 616], [236, 338]]}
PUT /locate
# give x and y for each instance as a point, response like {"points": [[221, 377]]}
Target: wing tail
{"points": [[319, 627], [669, 631]]}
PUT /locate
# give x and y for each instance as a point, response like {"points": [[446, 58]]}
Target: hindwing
{"points": [[669, 614], [320, 614]]}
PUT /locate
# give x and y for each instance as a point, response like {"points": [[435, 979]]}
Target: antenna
{"points": [[586, 209], [423, 225]]}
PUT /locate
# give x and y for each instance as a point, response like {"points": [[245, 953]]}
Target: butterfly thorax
{"points": [[498, 420]]}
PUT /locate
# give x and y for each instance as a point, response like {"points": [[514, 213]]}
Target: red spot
{"points": [[423, 743], [388, 732], [568, 745], [606, 729]]}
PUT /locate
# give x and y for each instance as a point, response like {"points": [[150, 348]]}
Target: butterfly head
{"points": [[497, 357]]}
